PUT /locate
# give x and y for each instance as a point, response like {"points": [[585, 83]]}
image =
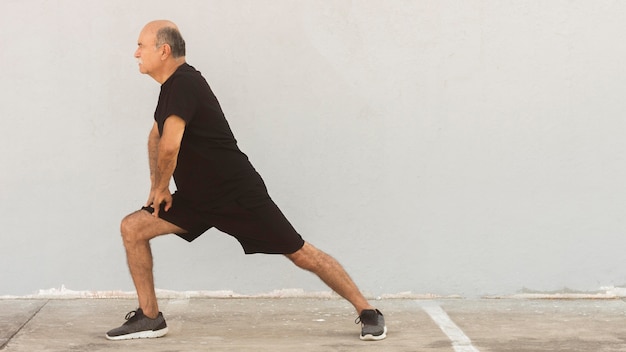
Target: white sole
{"points": [[140, 335], [370, 337]]}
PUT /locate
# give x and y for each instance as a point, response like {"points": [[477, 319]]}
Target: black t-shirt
{"points": [[210, 170]]}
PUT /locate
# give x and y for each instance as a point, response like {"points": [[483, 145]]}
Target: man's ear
{"points": [[166, 51]]}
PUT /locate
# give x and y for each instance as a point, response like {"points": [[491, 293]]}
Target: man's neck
{"points": [[168, 70]]}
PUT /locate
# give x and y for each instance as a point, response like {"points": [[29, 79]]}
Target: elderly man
{"points": [[217, 187]]}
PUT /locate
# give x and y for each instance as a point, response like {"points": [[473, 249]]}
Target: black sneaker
{"points": [[139, 326], [372, 325]]}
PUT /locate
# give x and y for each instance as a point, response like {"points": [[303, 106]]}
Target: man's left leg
{"points": [[259, 225], [331, 273], [335, 276]]}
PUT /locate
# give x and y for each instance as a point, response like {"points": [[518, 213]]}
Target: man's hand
{"points": [[158, 197], [150, 200]]}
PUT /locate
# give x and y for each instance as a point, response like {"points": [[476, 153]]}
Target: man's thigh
{"points": [[141, 224], [259, 226]]}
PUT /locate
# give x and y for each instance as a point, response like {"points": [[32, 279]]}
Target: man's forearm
{"points": [[163, 156], [165, 166], [153, 145]]}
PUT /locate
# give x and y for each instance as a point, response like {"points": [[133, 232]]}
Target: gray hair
{"points": [[172, 37]]}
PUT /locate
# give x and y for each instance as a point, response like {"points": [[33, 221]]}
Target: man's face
{"points": [[147, 54]]}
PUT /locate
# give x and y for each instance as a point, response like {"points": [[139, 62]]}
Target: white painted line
{"points": [[460, 342]]}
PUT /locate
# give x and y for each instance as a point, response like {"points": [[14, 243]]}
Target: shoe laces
{"points": [[359, 320], [130, 315]]}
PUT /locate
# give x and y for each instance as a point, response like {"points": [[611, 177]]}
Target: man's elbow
{"points": [[168, 152]]}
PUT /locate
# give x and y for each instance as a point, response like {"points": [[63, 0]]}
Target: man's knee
{"points": [[131, 228], [307, 257]]}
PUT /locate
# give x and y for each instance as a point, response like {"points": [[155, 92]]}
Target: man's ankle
{"points": [[150, 314]]}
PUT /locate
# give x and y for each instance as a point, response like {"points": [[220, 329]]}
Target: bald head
{"points": [[160, 50], [166, 32]]}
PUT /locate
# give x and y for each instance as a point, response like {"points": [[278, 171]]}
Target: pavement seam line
{"points": [[460, 341], [6, 343]]}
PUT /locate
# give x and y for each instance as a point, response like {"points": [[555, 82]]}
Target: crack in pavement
{"points": [[6, 343]]}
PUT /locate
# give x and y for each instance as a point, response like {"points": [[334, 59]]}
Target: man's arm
{"points": [[153, 145], [163, 155]]}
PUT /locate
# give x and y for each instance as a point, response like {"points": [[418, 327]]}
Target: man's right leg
{"points": [[137, 230]]}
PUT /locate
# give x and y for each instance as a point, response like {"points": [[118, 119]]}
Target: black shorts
{"points": [[253, 219]]}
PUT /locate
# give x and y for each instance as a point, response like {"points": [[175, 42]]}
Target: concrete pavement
{"points": [[306, 324]]}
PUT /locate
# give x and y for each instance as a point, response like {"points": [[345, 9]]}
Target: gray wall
{"points": [[445, 147]]}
